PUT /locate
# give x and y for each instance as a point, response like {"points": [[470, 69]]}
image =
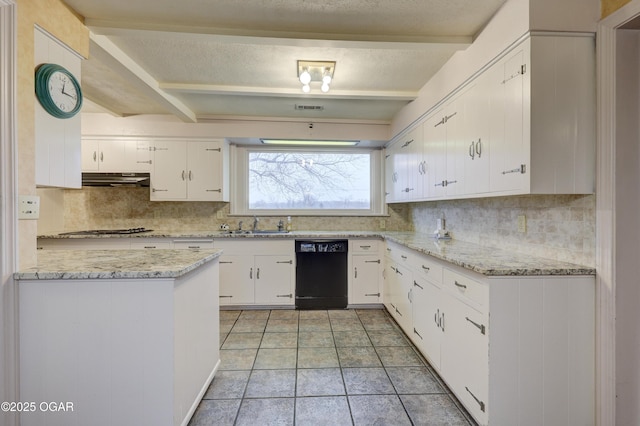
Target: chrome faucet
{"points": [[255, 222]]}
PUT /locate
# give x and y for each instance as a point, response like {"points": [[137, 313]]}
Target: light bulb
{"points": [[324, 87], [326, 79], [305, 77], [306, 88]]}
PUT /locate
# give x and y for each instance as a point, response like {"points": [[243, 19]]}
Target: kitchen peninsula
{"points": [[118, 336]]}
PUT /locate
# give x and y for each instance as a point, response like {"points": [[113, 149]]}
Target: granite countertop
{"points": [[114, 264], [484, 260]]}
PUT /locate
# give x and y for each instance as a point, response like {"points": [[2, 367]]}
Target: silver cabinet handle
{"points": [[418, 285], [214, 190], [372, 261], [222, 297], [95, 156], [258, 274], [481, 327], [190, 175], [225, 261], [355, 275], [522, 170], [150, 247], [194, 247], [472, 150], [479, 147], [417, 334], [442, 322], [373, 294], [480, 403], [426, 268], [459, 285], [285, 295], [144, 162], [365, 247], [159, 190], [251, 273], [213, 149], [183, 175], [290, 262], [403, 256], [102, 157]]}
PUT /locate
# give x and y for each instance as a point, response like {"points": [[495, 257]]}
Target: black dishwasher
{"points": [[321, 274]]}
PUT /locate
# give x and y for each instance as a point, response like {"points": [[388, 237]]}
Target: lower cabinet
{"points": [[510, 348], [366, 269], [257, 272]]}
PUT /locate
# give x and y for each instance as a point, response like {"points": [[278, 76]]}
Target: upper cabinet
{"points": [[190, 170], [57, 140], [115, 155], [523, 125]]}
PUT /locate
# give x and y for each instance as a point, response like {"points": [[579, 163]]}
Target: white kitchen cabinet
{"points": [[236, 280], [523, 125], [257, 272], [115, 155], [403, 166], [57, 141], [190, 170], [398, 285], [275, 280], [365, 276], [479, 331]]}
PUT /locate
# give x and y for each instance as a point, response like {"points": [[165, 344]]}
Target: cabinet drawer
{"points": [[193, 244], [399, 254], [364, 246], [466, 288], [427, 268]]}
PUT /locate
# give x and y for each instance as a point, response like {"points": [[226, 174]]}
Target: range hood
{"points": [[116, 179]]}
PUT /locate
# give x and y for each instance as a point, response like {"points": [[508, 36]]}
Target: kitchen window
{"points": [[306, 181]]}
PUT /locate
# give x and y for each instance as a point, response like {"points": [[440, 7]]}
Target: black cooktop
{"points": [[108, 231]]}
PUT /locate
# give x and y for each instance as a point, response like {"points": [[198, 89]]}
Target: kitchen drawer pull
{"points": [[481, 327], [403, 256], [522, 170], [190, 175], [194, 247], [285, 295], [159, 190], [479, 147], [102, 157], [225, 261], [398, 312], [398, 272], [355, 275], [426, 268], [150, 247], [228, 297], [372, 294], [372, 261], [215, 190], [365, 247], [258, 273], [480, 403], [459, 285], [416, 333], [290, 262], [418, 285], [95, 155], [472, 150], [144, 162], [183, 173], [251, 273], [214, 149], [442, 322]]}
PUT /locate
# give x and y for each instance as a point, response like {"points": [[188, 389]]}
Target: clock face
{"points": [[63, 91], [58, 91]]}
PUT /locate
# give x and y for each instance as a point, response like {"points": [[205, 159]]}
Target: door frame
{"points": [[9, 384], [610, 139]]}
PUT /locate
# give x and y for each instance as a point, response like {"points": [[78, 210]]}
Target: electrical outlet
{"points": [[383, 224], [522, 223], [28, 207], [220, 214]]}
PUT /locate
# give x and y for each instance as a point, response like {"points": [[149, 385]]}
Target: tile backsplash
{"points": [[560, 227]]}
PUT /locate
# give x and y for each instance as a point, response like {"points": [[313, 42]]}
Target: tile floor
{"points": [[336, 367]]}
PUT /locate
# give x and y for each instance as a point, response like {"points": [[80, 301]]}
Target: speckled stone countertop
{"points": [[484, 260], [114, 264]]}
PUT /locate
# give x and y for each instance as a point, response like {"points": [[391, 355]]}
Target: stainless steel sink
{"points": [[257, 231]]}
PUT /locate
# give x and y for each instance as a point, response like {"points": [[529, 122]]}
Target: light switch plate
{"points": [[383, 224], [28, 207], [522, 223]]}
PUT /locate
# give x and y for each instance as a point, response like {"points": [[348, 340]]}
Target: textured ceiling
{"points": [[209, 58]]}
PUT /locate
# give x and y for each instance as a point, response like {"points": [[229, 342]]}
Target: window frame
{"points": [[240, 182]]}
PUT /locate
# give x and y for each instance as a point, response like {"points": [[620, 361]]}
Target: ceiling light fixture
{"points": [[316, 71], [308, 142]]}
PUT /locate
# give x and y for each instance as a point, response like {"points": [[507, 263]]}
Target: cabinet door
{"points": [[274, 279], [169, 175], [456, 129], [427, 315], [365, 279], [389, 283], [508, 153], [236, 280], [477, 142], [413, 152], [435, 154], [393, 169], [111, 157], [402, 298], [137, 156], [465, 355], [89, 155], [204, 175]]}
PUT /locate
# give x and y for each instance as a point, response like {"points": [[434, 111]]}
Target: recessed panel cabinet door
{"points": [[427, 315], [274, 279], [366, 279]]}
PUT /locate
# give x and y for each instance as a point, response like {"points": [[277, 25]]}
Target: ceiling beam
{"points": [[105, 51], [276, 38], [212, 89]]}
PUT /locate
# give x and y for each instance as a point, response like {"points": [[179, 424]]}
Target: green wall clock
{"points": [[58, 91]]}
